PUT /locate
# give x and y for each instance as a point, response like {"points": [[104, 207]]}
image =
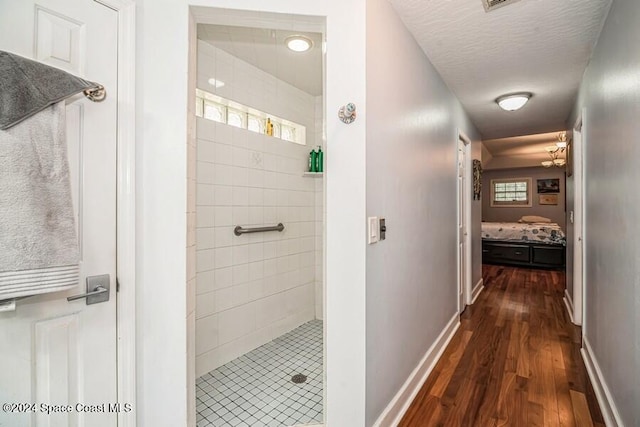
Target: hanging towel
{"points": [[38, 243], [27, 87]]}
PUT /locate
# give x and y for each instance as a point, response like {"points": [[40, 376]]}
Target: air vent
{"points": [[490, 5]]}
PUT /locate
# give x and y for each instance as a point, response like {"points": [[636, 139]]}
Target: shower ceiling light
{"points": [[514, 101], [298, 43]]}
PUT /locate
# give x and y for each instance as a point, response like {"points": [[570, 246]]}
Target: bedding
{"points": [[534, 218], [546, 233]]}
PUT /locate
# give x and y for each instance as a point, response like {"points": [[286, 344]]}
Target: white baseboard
{"points": [[396, 409], [477, 289], [568, 302], [605, 399]]}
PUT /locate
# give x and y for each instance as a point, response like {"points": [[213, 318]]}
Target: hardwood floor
{"points": [[515, 361]]}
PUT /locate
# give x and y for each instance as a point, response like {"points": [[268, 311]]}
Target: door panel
{"points": [[462, 161], [56, 352]]}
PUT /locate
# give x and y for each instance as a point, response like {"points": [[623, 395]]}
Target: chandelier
{"points": [[555, 151]]}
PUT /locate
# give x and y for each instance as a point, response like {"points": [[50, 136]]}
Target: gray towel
{"points": [[38, 243], [27, 87]]}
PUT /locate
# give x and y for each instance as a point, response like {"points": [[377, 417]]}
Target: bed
{"points": [[523, 244]]}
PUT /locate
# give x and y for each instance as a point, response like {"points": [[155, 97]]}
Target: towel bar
{"points": [[238, 231]]}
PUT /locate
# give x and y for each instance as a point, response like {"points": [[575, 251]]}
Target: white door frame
{"points": [[126, 212], [579, 293], [466, 218]]}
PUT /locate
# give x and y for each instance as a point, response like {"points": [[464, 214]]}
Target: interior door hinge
{"points": [[117, 285]]}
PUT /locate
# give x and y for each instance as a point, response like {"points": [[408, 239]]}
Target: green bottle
{"points": [[313, 161], [319, 160]]}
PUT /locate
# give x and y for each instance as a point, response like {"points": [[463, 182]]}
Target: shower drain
{"points": [[299, 378]]}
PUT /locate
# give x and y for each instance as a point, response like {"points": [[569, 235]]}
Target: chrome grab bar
{"points": [[238, 231]]}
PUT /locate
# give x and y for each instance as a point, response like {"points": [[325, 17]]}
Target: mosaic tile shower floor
{"points": [[256, 390]]}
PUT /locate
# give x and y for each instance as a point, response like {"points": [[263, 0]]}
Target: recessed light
{"points": [[298, 43], [514, 101]]}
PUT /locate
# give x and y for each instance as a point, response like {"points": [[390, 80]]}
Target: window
{"points": [[214, 111], [511, 192], [255, 124], [221, 110]]}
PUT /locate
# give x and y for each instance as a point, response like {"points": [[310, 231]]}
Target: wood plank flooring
{"points": [[515, 361]]}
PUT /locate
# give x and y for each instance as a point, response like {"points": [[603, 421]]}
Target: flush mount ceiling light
{"points": [[216, 83], [514, 101], [298, 43]]}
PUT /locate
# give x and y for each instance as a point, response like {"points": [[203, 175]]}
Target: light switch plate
{"points": [[373, 234]]}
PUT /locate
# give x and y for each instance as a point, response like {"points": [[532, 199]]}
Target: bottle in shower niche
{"points": [[313, 161], [319, 160], [268, 129]]}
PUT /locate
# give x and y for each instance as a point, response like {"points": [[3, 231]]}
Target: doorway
{"points": [[577, 218], [259, 204], [464, 221]]}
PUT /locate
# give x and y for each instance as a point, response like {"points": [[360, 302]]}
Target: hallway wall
{"points": [[412, 121], [610, 93]]}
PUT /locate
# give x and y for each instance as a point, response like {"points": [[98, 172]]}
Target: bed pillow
{"points": [[534, 218]]}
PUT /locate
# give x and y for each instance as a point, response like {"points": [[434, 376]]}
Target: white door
{"points": [[578, 224], [462, 229], [52, 351]]}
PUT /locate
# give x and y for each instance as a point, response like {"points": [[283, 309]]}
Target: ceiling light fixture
{"points": [[216, 83], [514, 101], [554, 151], [298, 43]]}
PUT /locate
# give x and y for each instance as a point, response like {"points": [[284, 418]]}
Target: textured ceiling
{"points": [[535, 46], [265, 49]]}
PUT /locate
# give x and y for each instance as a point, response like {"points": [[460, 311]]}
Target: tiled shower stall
{"points": [[254, 288]]}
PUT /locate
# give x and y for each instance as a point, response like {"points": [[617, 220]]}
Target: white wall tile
{"points": [[240, 176], [222, 216], [222, 175], [223, 277], [205, 260], [256, 215], [223, 257], [240, 274], [256, 270], [240, 254], [222, 195], [240, 196], [256, 197], [205, 195], [206, 333], [241, 217], [236, 322], [223, 299], [206, 305], [205, 282], [223, 154], [263, 284], [205, 238], [223, 236], [240, 294]]}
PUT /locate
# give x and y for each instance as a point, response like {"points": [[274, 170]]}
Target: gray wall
{"points": [[412, 119], [610, 93], [555, 212]]}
